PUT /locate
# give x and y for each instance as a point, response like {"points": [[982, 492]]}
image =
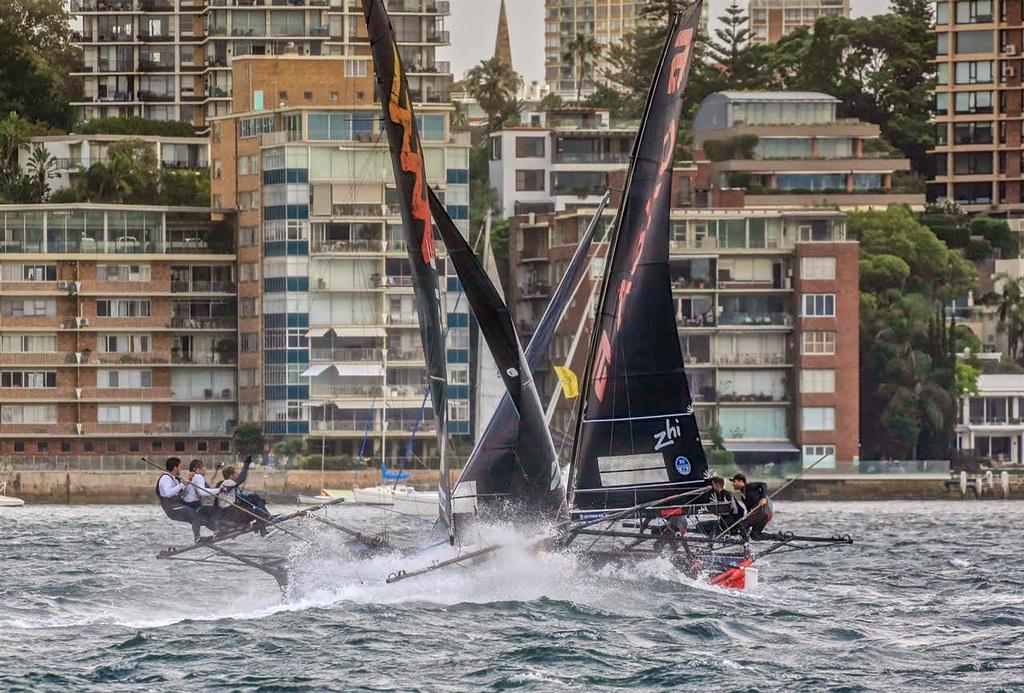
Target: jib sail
{"points": [[492, 474], [410, 178], [636, 435], [530, 470]]}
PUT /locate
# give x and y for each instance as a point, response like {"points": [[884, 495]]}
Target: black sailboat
{"points": [[636, 436], [411, 180]]}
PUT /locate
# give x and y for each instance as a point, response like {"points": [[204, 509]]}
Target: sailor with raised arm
{"points": [[199, 486], [170, 491]]}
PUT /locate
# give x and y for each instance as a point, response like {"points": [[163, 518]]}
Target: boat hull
{"points": [[10, 502], [412, 502]]}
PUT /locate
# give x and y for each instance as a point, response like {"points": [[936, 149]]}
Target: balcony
{"points": [[343, 355], [38, 429], [203, 358], [203, 287], [750, 359], [32, 358], [403, 320], [63, 394], [124, 358], [343, 247], [345, 391], [203, 395], [116, 394], [755, 319], [396, 354], [181, 323]]}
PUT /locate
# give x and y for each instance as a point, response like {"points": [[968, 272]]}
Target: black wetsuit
{"points": [[753, 492], [736, 511]]}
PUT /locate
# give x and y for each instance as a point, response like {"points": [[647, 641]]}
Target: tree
{"points": [[37, 61], [550, 102], [137, 126], [41, 168], [909, 378], [742, 64], [493, 84], [1010, 312], [580, 54], [248, 438], [289, 448]]}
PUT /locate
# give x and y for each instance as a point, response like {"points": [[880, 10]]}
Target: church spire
{"points": [[502, 45]]}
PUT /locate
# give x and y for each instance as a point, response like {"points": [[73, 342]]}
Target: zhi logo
{"points": [[662, 439]]}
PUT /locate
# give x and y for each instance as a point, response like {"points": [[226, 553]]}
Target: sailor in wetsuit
{"points": [[755, 498], [232, 503], [170, 491]]}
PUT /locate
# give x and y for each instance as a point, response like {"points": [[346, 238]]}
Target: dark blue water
{"points": [[930, 598]]}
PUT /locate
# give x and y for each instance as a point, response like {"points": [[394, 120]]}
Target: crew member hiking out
{"points": [[170, 491], [719, 496], [231, 499], [755, 498], [199, 486]]}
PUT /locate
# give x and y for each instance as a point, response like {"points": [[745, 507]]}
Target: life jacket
{"points": [[173, 502]]}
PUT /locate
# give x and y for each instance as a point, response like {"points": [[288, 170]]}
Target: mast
{"points": [[411, 181], [636, 434], [493, 474], [539, 489]]}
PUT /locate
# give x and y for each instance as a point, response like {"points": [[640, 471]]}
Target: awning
{"points": [[364, 369], [749, 446], [317, 331], [313, 371], [359, 331]]}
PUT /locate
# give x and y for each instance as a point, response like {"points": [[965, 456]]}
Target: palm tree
{"points": [[41, 168], [1010, 304], [580, 54], [493, 84]]}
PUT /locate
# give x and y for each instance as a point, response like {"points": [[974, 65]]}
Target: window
{"points": [[65, 446], [124, 343], [974, 42], [28, 413], [529, 147], [122, 308], [225, 446], [458, 338], [817, 381], [458, 410], [19, 446], [819, 305], [202, 446], [356, 68], [158, 445], [179, 446], [123, 273], [28, 308], [247, 308], [28, 379], [134, 446], [972, 102], [819, 418], [28, 273], [529, 180], [974, 72], [818, 268], [243, 165], [249, 235], [124, 379], [967, 12], [458, 375], [495, 149], [254, 127], [812, 455], [125, 413], [819, 343], [250, 342], [28, 343]]}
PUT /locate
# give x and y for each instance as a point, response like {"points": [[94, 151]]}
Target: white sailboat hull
{"points": [[374, 495], [11, 502], [412, 502]]}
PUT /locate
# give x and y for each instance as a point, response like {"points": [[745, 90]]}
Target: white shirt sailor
{"points": [[198, 490], [169, 487]]}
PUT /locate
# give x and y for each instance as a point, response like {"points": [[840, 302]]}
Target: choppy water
{"points": [[930, 598]]}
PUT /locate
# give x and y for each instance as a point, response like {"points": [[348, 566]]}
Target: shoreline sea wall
{"points": [[80, 487]]}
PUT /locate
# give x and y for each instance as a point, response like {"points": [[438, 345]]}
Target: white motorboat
{"points": [[326, 496], [383, 494], [11, 502]]}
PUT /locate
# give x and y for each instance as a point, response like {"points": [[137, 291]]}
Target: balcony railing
{"points": [[136, 358], [37, 393], [203, 358], [203, 323], [751, 397], [360, 246], [344, 355], [203, 287], [756, 319], [415, 354], [346, 391], [750, 359], [38, 429], [124, 393]]}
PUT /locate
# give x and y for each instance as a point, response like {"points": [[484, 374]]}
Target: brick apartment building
{"points": [[767, 309], [171, 59], [329, 339], [117, 330]]}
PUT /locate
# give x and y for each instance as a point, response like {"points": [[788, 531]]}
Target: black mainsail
{"points": [[411, 180], [493, 474], [636, 434], [526, 464]]}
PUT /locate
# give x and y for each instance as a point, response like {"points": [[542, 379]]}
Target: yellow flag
{"points": [[570, 385]]}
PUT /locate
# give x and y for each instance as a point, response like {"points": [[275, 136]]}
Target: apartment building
{"points": [[117, 330], [992, 420], [171, 59], [74, 154], [977, 157], [562, 159], [607, 21], [770, 20], [789, 148], [767, 308], [329, 338]]}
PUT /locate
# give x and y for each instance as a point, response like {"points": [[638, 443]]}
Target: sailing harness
{"points": [[170, 504]]}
